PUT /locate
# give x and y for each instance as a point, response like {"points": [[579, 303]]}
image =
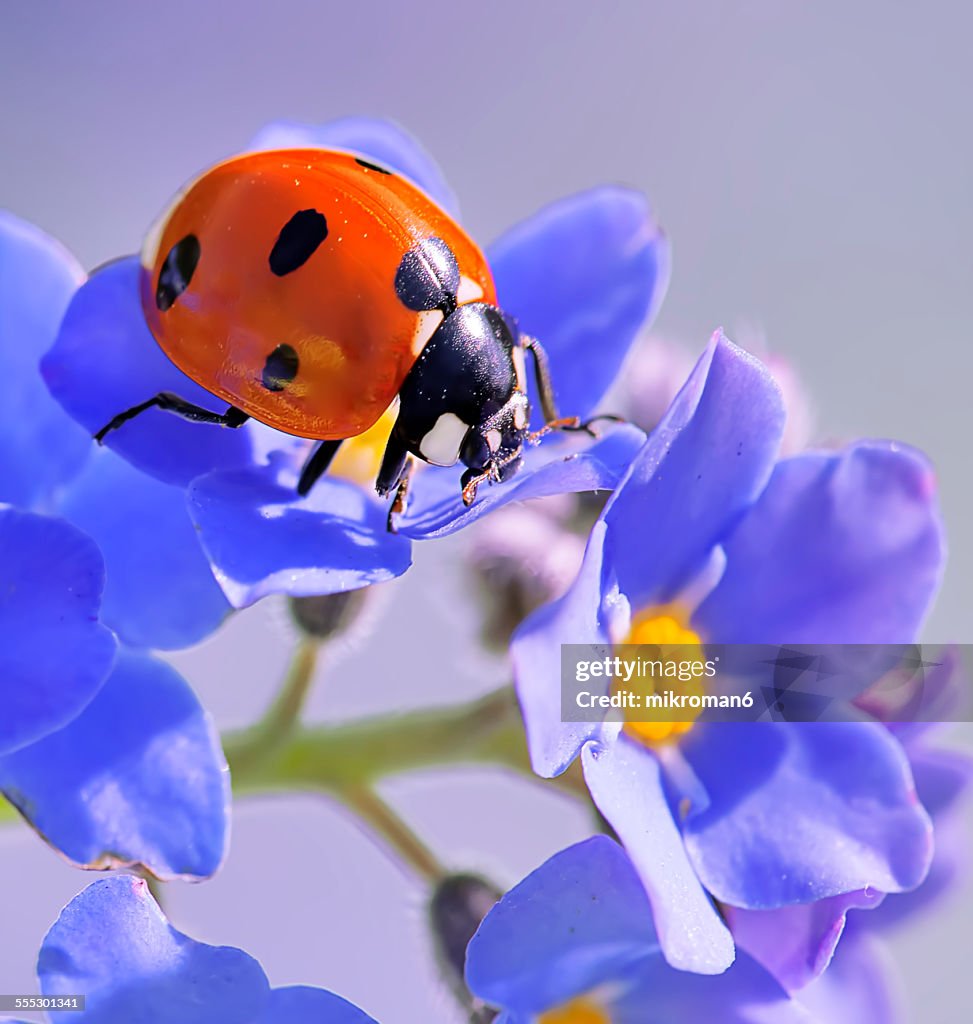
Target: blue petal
{"points": [[796, 943], [803, 811], [576, 921], [137, 779], [160, 591], [105, 361], [625, 782], [840, 548], [113, 944], [40, 445], [301, 1004], [384, 141], [262, 539], [54, 654], [581, 923], [576, 618], [943, 779], [700, 470], [436, 507], [583, 276]]}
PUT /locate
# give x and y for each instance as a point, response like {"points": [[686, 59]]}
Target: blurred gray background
{"points": [[812, 164]]}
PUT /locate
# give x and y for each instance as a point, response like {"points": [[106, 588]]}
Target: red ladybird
{"points": [[310, 288]]}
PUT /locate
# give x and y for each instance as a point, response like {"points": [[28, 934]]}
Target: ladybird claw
{"points": [[471, 482], [469, 492], [588, 425]]}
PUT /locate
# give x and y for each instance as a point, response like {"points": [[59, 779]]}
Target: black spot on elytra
{"points": [[297, 240], [369, 166], [280, 368], [177, 271], [428, 277]]}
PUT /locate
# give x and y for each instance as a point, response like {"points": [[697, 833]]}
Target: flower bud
{"points": [[327, 615], [458, 905]]}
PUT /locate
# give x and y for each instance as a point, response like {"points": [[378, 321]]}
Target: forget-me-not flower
{"points": [[709, 539]]}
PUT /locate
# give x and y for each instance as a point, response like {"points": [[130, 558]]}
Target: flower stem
{"points": [[281, 718], [373, 810], [287, 706], [345, 761], [332, 758]]}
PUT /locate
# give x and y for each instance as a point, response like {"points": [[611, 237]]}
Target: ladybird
{"points": [[310, 289]]}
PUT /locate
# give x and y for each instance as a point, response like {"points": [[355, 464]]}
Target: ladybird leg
{"points": [[586, 426], [393, 463], [545, 389], [542, 375], [233, 417], [565, 423], [317, 465], [572, 424], [494, 473], [470, 482], [401, 495]]}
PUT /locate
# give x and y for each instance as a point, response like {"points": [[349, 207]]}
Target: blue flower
{"points": [[87, 740], [707, 539], [113, 945], [112, 760], [584, 275], [573, 943]]}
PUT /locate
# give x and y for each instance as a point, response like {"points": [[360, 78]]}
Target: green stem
{"points": [[345, 761], [373, 810], [333, 758], [281, 718]]}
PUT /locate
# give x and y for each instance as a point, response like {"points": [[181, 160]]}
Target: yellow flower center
{"points": [[578, 1011], [359, 458], [664, 641]]}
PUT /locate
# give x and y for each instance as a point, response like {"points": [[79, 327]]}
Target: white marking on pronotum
{"points": [[493, 439], [427, 323], [468, 291], [442, 444]]}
